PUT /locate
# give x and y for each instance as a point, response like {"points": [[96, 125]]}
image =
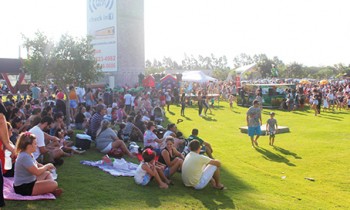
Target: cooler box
{"points": [[83, 141]]}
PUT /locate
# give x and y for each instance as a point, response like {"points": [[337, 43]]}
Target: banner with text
{"points": [[102, 26]]}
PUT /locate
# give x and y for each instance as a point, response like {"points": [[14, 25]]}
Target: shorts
{"points": [[146, 180], [331, 102], [107, 149], [73, 104], [272, 133], [167, 171], [207, 175], [254, 130], [25, 189]]}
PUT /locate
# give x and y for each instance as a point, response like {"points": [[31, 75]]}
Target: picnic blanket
{"points": [[119, 167], [9, 192]]}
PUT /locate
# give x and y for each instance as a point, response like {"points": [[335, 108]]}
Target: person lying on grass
{"points": [[63, 144], [205, 146], [172, 158], [32, 178], [198, 170], [148, 169]]}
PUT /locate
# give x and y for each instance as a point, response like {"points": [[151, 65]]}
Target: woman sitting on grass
{"points": [[151, 139], [172, 158], [148, 169], [108, 142], [32, 178]]}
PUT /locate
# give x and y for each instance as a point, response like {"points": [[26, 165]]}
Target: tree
{"points": [[242, 60], [70, 62], [40, 53], [295, 70]]}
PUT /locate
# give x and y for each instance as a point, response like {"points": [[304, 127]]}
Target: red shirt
{"points": [[60, 95]]}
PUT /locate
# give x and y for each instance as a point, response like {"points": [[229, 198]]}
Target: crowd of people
{"points": [[37, 128]]}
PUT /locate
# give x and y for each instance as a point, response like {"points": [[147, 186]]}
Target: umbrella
{"points": [[323, 82], [304, 81]]}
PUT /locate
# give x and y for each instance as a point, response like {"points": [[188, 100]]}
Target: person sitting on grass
{"points": [[32, 178], [205, 146], [44, 154], [170, 157], [63, 144], [198, 170], [108, 142], [148, 169], [151, 139]]}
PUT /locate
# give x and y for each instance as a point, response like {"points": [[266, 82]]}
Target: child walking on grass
{"points": [[231, 98], [271, 128], [148, 169]]}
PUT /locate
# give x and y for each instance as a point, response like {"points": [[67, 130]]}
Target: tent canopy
{"points": [[242, 69], [196, 76]]}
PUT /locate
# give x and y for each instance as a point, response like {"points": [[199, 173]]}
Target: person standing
{"points": [[4, 140], [183, 104], [271, 128], [35, 92], [200, 103], [128, 101], [254, 122]]}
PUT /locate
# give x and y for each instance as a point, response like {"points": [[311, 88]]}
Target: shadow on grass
{"points": [[218, 107], [209, 118], [286, 152], [299, 113], [268, 155], [170, 112], [232, 110], [331, 118], [187, 118]]}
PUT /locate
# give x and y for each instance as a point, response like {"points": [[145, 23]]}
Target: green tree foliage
{"points": [[40, 53], [294, 70], [69, 62], [218, 65], [74, 62], [242, 60]]}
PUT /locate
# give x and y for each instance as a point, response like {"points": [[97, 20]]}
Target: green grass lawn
{"points": [[316, 147]]}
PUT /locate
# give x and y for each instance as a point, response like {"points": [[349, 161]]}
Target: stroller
{"points": [[158, 114]]}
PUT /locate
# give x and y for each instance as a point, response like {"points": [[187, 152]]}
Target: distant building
{"points": [[117, 28]]}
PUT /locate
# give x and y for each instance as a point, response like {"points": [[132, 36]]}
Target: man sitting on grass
{"points": [[205, 146], [198, 170]]}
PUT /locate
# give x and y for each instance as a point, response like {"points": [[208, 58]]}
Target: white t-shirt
{"points": [[149, 139], [128, 99], [167, 96], [132, 100], [80, 92], [40, 139]]}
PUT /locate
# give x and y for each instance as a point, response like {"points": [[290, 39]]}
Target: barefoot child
{"points": [[148, 169], [271, 128], [231, 98]]}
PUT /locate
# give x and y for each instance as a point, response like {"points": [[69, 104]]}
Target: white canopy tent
{"points": [[197, 76]]}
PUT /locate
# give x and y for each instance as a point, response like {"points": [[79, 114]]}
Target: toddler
{"points": [[148, 169]]}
